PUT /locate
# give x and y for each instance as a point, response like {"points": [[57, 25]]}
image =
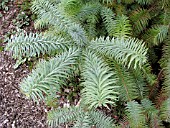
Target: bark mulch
{"points": [[15, 110]]}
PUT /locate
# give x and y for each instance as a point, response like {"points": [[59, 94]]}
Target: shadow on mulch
{"points": [[15, 110]]}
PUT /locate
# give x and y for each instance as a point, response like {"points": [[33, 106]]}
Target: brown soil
{"points": [[6, 24], [15, 110]]}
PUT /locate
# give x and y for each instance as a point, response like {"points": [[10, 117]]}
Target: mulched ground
{"points": [[6, 24], [15, 110]]}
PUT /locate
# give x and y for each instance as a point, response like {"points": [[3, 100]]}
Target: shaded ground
{"points": [[6, 20], [6, 24], [15, 110]]}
